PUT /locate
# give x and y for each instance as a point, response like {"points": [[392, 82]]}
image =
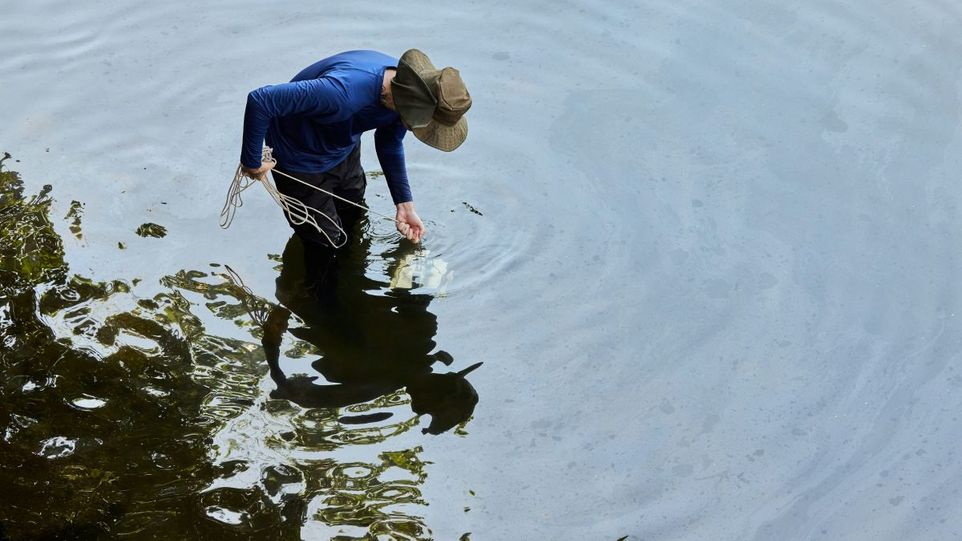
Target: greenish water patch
{"points": [[125, 413], [152, 230], [73, 217]]}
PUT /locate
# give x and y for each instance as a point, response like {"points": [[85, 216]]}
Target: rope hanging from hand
{"points": [[298, 212]]}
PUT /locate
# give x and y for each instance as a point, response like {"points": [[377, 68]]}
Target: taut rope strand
{"points": [[297, 211]]}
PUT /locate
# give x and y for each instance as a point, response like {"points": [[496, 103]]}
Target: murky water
{"points": [[706, 253]]}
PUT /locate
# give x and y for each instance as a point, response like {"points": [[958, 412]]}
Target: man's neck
{"points": [[387, 97]]}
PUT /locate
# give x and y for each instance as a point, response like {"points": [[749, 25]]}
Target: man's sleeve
{"points": [[324, 96], [390, 153]]}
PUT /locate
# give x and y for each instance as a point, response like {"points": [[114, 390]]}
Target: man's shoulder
{"points": [[364, 57], [348, 66]]}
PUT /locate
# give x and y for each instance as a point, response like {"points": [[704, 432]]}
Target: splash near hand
{"points": [[408, 222]]}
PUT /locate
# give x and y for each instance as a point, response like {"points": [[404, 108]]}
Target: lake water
{"points": [[705, 251]]}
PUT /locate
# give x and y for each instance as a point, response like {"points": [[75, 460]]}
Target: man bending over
{"points": [[314, 124]]}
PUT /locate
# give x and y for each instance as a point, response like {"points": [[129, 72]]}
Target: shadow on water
{"points": [[121, 414], [371, 342]]}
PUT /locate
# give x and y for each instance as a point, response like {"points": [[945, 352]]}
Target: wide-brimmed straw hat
{"points": [[431, 101]]}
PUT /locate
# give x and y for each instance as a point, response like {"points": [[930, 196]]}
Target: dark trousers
{"points": [[345, 179]]}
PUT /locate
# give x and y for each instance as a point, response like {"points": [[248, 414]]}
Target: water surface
{"points": [[705, 251]]}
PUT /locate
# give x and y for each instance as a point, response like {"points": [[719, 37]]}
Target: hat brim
{"points": [[441, 137], [413, 98], [417, 61]]}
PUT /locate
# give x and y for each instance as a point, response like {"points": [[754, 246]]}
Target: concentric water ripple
{"points": [[705, 251]]}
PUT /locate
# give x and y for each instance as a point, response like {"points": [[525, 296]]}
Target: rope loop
{"points": [[297, 211]]}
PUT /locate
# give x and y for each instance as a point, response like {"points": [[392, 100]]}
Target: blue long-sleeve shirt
{"points": [[315, 121]]}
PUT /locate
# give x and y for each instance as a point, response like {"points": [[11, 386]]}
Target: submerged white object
{"points": [[418, 270]]}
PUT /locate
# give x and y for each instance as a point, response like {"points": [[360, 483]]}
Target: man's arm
{"points": [[324, 96], [390, 153]]}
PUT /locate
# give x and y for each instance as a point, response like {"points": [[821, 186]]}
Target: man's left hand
{"points": [[408, 222]]}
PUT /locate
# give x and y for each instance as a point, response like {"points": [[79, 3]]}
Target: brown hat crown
{"points": [[453, 97]]}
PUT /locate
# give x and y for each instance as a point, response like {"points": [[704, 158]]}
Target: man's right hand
{"points": [[260, 173], [408, 222]]}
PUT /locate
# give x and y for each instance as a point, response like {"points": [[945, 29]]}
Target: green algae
{"points": [[152, 230], [471, 208]]}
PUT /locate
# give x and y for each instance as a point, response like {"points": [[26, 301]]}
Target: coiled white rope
{"points": [[298, 212]]}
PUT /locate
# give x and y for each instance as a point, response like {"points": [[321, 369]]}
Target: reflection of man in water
{"points": [[314, 123], [371, 343]]}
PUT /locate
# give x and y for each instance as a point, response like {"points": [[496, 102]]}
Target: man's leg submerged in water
{"points": [[347, 180]]}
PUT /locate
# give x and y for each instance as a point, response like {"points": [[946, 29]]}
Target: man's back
{"points": [[319, 117]]}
